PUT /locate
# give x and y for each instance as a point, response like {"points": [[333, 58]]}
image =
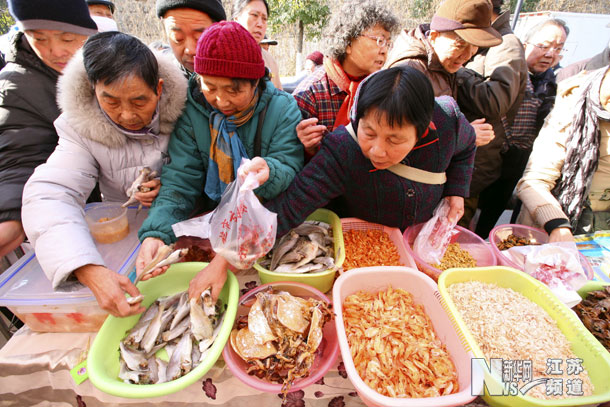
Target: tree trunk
{"points": [[299, 61]]}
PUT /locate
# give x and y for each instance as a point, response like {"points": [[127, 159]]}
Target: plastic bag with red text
{"points": [[434, 237], [242, 230]]}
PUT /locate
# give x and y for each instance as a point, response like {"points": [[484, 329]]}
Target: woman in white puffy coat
{"points": [[119, 103]]}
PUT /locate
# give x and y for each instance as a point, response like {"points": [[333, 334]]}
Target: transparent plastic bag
{"points": [[434, 237], [555, 264], [240, 229]]}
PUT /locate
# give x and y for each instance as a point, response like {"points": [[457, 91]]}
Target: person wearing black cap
{"points": [[183, 23], [48, 37], [101, 8]]}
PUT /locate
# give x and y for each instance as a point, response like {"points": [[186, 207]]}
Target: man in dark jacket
{"points": [[47, 39], [492, 86]]}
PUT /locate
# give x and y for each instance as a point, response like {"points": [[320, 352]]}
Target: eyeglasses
{"points": [[545, 48], [381, 41]]}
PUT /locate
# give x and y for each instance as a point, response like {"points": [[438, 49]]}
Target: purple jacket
{"points": [[340, 170]]}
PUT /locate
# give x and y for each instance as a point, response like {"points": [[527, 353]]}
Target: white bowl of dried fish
{"points": [[264, 353], [311, 253], [163, 348]]}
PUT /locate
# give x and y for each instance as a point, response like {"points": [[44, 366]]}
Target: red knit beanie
{"points": [[227, 49]]}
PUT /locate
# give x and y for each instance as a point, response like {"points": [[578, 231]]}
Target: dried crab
{"points": [[280, 336]]}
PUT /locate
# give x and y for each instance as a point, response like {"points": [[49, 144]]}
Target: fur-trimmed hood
{"points": [[76, 99]]}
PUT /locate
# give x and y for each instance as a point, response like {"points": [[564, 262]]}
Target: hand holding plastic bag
{"points": [[434, 237], [242, 230]]}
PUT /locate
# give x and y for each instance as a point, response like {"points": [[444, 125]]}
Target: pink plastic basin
{"points": [[323, 361], [393, 233], [535, 235], [425, 292], [468, 241]]}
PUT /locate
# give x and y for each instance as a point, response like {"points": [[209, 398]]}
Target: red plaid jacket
{"points": [[318, 96]]}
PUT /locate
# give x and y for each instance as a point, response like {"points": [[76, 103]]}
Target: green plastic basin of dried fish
{"points": [[308, 248], [455, 256], [171, 338]]}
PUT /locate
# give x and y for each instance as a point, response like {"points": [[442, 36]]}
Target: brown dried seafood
{"points": [[280, 336], [514, 240], [594, 312]]}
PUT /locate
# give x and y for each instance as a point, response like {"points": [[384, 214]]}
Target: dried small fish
{"points": [[183, 309], [137, 332], [180, 362], [135, 360], [153, 331], [162, 254], [177, 330], [175, 257], [304, 249], [141, 349], [145, 175], [128, 376], [285, 244], [201, 325], [289, 268], [134, 300]]}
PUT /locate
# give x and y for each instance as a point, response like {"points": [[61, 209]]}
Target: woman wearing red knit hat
{"points": [[232, 111]]}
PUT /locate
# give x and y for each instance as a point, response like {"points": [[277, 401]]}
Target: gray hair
{"points": [[351, 20], [557, 22]]}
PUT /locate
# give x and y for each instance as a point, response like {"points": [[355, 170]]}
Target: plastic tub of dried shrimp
{"points": [[399, 346], [546, 356], [103, 361], [325, 355], [371, 244], [321, 280], [476, 249]]}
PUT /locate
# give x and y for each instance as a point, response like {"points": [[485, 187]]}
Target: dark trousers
{"points": [[493, 200]]}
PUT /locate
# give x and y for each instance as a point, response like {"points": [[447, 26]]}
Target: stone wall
{"points": [[138, 18]]}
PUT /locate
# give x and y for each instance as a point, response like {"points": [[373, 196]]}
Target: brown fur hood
{"points": [[76, 99]]}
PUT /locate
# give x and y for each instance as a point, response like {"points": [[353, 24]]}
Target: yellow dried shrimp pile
{"points": [[509, 326], [394, 347], [366, 248], [455, 256]]}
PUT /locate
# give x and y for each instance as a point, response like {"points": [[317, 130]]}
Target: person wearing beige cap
{"points": [[492, 85], [441, 48]]}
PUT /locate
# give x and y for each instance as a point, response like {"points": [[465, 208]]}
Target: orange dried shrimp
{"points": [[394, 347], [366, 248]]}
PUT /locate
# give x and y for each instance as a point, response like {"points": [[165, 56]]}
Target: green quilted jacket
{"points": [[183, 179]]}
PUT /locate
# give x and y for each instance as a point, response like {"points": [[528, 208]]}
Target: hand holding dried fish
{"points": [[185, 329], [145, 175], [280, 336], [166, 256], [305, 249]]}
